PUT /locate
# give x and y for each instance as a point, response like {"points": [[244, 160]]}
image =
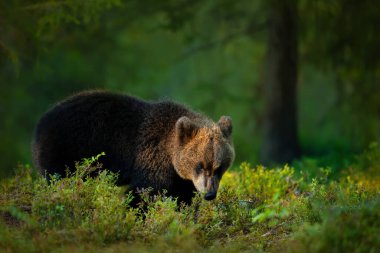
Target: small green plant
{"points": [[93, 204]]}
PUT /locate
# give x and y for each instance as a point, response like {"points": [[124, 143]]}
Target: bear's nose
{"points": [[210, 196]]}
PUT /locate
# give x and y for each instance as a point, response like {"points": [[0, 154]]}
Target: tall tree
{"points": [[280, 140]]}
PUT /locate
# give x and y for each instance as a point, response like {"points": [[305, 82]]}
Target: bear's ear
{"points": [[185, 129], [225, 124]]}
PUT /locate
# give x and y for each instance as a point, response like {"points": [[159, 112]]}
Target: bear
{"points": [[161, 145]]}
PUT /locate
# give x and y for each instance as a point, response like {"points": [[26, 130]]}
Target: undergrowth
{"points": [[257, 210]]}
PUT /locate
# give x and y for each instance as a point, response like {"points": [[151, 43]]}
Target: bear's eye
{"points": [[199, 169]]}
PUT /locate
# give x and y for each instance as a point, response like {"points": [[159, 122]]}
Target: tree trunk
{"points": [[280, 139]]}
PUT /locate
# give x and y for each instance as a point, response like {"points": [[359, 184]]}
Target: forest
{"points": [[300, 80]]}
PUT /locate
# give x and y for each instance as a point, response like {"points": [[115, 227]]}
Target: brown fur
{"points": [[162, 145]]}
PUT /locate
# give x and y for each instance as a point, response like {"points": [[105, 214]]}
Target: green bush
{"points": [[257, 210], [343, 229], [78, 201]]}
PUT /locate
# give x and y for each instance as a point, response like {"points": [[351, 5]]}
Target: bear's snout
{"points": [[210, 195]]}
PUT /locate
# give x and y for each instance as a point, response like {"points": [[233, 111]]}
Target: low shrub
{"points": [[257, 210]]}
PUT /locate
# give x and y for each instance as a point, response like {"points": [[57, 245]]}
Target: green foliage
{"points": [[272, 182], [342, 230], [56, 13], [94, 205], [345, 54], [257, 209]]}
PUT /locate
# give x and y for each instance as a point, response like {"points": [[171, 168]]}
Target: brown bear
{"points": [[162, 145]]}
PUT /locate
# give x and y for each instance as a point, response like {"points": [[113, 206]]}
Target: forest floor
{"points": [[304, 208]]}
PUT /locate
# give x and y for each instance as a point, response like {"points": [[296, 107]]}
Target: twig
{"points": [[273, 229]]}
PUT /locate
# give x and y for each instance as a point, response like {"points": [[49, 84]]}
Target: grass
{"points": [[307, 209]]}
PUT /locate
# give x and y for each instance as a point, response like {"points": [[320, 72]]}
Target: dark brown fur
{"points": [[157, 145]]}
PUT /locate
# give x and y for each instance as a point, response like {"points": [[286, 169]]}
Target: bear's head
{"points": [[203, 152]]}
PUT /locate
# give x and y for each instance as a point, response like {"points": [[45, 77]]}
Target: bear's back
{"points": [[85, 125]]}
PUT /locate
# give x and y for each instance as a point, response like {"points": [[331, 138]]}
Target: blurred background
{"points": [[299, 78]]}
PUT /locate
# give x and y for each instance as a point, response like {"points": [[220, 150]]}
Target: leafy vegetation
{"points": [[287, 209]]}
